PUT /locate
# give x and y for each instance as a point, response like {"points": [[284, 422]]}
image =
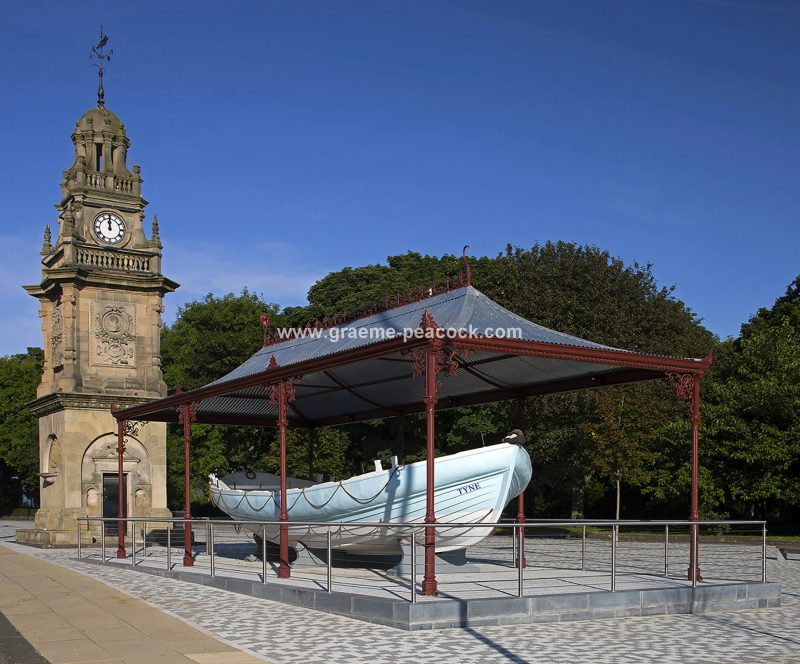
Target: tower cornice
{"points": [[53, 403], [115, 281]]}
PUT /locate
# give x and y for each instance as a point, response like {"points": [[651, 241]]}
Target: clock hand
{"points": [[109, 225]]}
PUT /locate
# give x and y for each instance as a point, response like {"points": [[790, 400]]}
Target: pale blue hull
{"points": [[472, 486]]}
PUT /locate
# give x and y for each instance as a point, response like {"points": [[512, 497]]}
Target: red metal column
{"points": [[694, 555], [120, 492], [429, 579], [520, 422], [284, 571], [186, 417]]}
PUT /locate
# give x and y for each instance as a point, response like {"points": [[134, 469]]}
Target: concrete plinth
{"points": [[443, 613], [47, 539]]}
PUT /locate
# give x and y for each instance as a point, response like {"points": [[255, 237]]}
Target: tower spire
{"points": [[97, 52]]}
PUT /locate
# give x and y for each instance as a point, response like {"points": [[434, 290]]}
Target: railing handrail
{"points": [[439, 524], [405, 528]]}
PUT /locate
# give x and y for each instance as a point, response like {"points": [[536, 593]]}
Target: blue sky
{"points": [[282, 140]]}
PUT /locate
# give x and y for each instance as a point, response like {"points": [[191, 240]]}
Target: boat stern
{"points": [[521, 475]]}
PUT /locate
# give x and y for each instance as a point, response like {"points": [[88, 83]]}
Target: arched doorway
{"points": [[100, 480]]}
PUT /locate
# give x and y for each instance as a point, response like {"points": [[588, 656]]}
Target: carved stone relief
{"points": [[57, 336], [54, 456], [93, 506], [114, 331]]}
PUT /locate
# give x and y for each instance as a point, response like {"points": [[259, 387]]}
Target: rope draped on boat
{"points": [[271, 497]]}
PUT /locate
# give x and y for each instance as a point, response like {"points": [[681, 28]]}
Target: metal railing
{"points": [[412, 530]]}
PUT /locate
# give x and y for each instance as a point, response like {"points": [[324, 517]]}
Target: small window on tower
{"points": [[98, 150]]}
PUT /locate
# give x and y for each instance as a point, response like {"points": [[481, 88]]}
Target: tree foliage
{"points": [[211, 337], [753, 412], [208, 339], [350, 289], [19, 440]]}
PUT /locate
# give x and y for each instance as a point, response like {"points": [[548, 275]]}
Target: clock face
{"points": [[109, 228]]}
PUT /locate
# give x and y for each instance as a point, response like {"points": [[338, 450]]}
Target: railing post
{"points": [[79, 538], [169, 545], [764, 553], [694, 528], [263, 554], [330, 562], [513, 545], [613, 558], [413, 566], [210, 544], [583, 548], [133, 543], [520, 559], [121, 505], [521, 519], [144, 539], [666, 550], [103, 541]]}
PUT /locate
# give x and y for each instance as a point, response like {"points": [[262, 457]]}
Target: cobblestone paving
{"points": [[284, 634]]}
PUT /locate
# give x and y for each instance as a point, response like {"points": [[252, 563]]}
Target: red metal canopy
{"points": [[362, 370], [454, 348]]}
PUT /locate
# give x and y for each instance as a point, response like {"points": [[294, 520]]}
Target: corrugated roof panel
{"points": [[387, 382], [465, 308]]}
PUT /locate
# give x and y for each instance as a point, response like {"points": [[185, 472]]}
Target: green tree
{"points": [[353, 289], [19, 440], [752, 415], [622, 434], [208, 339], [213, 336], [329, 451]]}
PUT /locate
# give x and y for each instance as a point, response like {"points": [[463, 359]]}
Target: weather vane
{"points": [[97, 52]]}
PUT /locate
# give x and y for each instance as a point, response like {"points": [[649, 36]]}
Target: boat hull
{"points": [[471, 487]]}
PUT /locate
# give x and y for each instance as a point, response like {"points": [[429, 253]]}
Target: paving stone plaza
{"points": [[283, 634], [567, 578]]}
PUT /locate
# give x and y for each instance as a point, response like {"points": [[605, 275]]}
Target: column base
{"points": [[429, 587], [689, 574]]}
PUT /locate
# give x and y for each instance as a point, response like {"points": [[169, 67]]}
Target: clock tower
{"points": [[100, 301]]}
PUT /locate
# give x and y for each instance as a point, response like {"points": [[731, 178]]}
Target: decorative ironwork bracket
{"points": [[132, 427], [444, 357], [684, 386], [285, 384], [190, 409]]}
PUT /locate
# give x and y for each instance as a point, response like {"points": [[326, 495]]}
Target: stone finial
{"points": [[46, 246], [155, 238]]}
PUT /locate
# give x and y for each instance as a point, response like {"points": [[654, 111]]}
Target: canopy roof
{"points": [[363, 369]]}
